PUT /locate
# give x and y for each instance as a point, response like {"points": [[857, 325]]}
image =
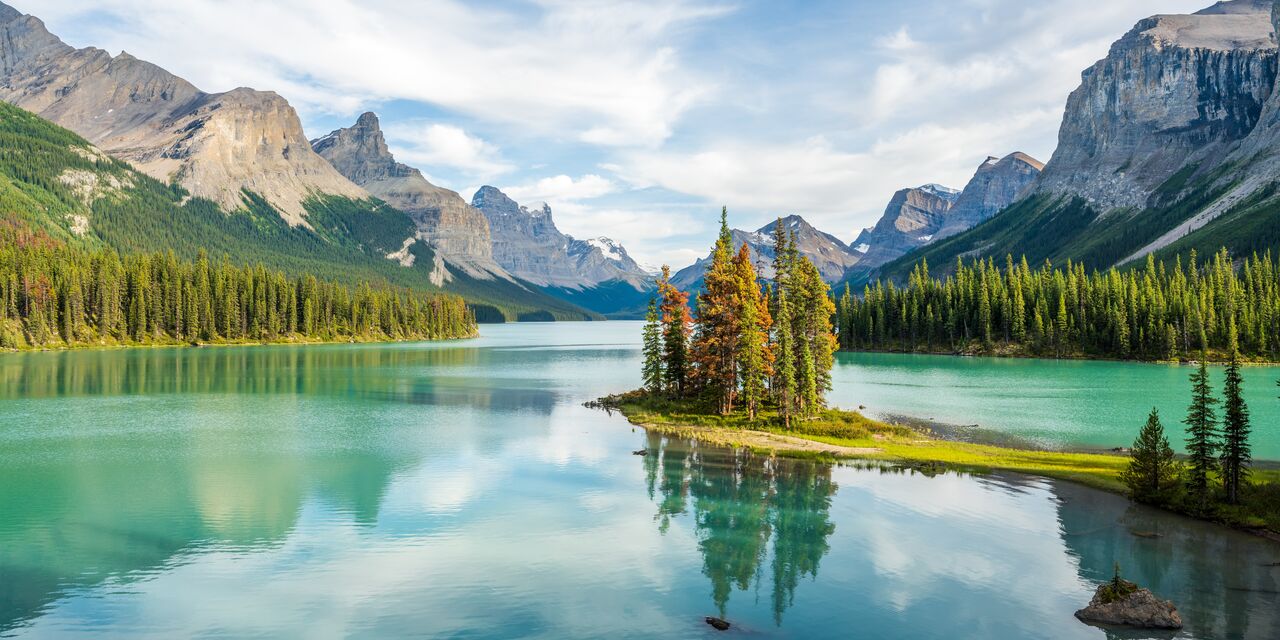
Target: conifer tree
{"points": [[784, 382], [718, 325], [754, 359], [1152, 474], [1202, 437], [674, 311], [1236, 451], [652, 350]]}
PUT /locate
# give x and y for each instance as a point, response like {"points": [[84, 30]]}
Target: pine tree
{"points": [[1202, 437], [784, 385], [652, 349], [754, 359], [1236, 452], [1153, 471], [715, 341], [674, 311]]}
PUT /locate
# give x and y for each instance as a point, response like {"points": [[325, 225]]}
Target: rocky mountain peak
{"points": [[458, 231], [214, 145], [527, 243], [997, 183]]}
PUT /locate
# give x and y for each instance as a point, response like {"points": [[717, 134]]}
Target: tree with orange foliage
{"points": [[715, 342], [673, 307]]}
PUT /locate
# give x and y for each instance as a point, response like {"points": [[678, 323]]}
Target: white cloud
{"points": [[601, 72], [429, 145], [561, 189]]}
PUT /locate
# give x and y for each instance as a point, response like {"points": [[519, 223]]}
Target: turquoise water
{"points": [[1051, 403], [461, 490]]}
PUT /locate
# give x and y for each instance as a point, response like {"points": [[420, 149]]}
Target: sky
{"points": [[639, 120]]}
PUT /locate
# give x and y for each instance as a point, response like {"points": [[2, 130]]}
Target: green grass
{"points": [[897, 444]]}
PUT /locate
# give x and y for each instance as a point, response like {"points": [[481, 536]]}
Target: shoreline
{"points": [[1072, 358], [221, 343], [910, 448]]}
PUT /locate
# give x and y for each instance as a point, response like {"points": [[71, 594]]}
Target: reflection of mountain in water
{"points": [[741, 502], [67, 527], [1219, 579]]}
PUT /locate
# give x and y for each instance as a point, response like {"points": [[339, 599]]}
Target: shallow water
{"points": [[461, 490]]}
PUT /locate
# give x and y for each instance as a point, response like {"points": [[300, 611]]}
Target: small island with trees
{"points": [[750, 366]]}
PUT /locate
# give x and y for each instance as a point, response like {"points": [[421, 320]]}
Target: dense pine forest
{"points": [[54, 295], [1157, 312]]}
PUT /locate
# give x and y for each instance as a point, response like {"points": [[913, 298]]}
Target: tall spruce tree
{"points": [[754, 359], [715, 340], [784, 381], [652, 371], [1202, 437], [674, 311], [1236, 451], [1152, 474]]}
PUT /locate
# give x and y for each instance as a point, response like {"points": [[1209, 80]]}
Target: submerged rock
{"points": [[719, 623], [1124, 603], [640, 452]]}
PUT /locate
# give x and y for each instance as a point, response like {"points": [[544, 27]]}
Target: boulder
{"points": [[720, 624], [1123, 603]]}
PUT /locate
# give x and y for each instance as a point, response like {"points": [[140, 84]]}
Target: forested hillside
{"points": [[53, 294], [1161, 311], [53, 181]]}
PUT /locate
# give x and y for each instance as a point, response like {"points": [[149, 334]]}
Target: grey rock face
{"points": [[912, 219], [1174, 91], [214, 145], [995, 185], [527, 243], [831, 256], [457, 230], [1139, 609]]}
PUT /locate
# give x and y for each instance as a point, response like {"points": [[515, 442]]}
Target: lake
{"points": [[462, 490]]}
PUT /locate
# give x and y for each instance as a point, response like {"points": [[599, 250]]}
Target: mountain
{"points": [[459, 232], [911, 220], [597, 273], [995, 185], [213, 145], [167, 166], [1170, 143], [828, 253]]}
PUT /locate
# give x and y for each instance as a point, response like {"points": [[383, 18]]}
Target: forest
{"points": [[1159, 311], [56, 295]]}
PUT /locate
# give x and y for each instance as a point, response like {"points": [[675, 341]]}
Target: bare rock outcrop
{"points": [[214, 145], [457, 230], [527, 243], [1176, 91], [912, 219], [996, 184], [1123, 603]]}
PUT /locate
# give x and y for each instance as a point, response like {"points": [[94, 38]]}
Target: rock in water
{"points": [[719, 623], [1132, 606]]}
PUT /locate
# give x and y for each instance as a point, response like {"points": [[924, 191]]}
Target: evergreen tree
{"points": [[674, 311], [1152, 474], [754, 359], [652, 349], [1236, 452], [718, 324], [784, 384], [1202, 437]]}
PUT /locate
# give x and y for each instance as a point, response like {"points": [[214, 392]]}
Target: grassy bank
{"points": [[838, 434]]}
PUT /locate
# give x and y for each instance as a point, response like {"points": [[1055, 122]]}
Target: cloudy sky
{"points": [[637, 120]]}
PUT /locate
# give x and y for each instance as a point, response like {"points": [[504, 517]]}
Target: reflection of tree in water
{"points": [[742, 501]]}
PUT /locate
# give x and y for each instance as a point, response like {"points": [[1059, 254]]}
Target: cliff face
{"points": [[458, 231], [527, 243], [214, 145], [831, 256], [995, 185], [1175, 91], [912, 219]]}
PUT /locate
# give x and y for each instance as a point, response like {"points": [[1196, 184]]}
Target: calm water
{"points": [[1051, 403], [460, 490]]}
